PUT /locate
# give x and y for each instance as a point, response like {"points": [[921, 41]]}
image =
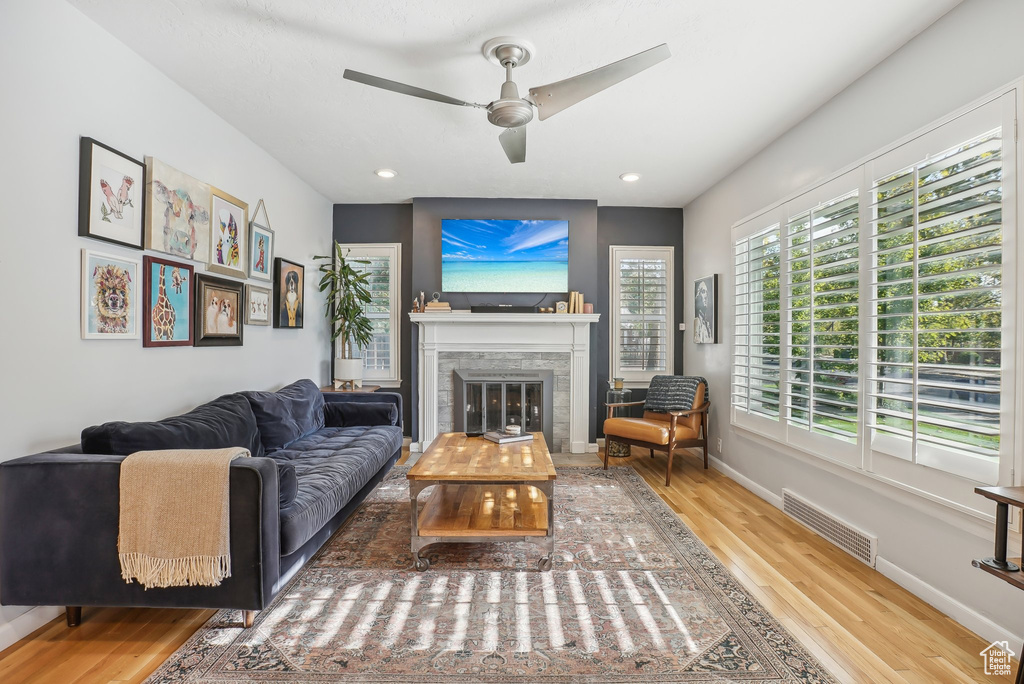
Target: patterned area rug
{"points": [[634, 596]]}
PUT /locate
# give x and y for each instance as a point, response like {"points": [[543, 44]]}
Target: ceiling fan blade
{"points": [[553, 98], [513, 141], [404, 89]]}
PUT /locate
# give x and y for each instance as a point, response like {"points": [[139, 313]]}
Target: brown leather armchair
{"points": [[664, 430]]}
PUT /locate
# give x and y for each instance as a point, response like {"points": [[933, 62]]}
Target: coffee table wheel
{"points": [[422, 564], [544, 564]]}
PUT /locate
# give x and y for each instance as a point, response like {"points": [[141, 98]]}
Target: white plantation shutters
{"points": [[381, 356], [756, 335], [641, 312]]}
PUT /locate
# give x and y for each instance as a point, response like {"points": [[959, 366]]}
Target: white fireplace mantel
{"points": [[512, 332]]}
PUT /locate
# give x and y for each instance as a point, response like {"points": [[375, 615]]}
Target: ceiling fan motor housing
{"points": [[511, 111]]}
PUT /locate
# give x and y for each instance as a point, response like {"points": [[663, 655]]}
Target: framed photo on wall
{"points": [[177, 212], [111, 195], [705, 310], [289, 280], [229, 217], [110, 296], [261, 245], [168, 303], [218, 312], [258, 303]]}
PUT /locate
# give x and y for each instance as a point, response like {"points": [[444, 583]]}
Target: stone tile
{"points": [[560, 414], [491, 364], [447, 365], [444, 427], [444, 416], [444, 400], [554, 355], [563, 383]]}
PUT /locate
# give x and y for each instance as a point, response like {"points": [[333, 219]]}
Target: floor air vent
{"points": [[855, 542]]}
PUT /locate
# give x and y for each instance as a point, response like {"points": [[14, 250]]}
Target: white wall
{"points": [[974, 49], [61, 77]]}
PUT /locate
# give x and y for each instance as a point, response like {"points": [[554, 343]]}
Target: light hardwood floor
{"points": [[862, 626]]}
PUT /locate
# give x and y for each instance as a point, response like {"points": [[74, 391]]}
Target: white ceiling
{"points": [[742, 73]]}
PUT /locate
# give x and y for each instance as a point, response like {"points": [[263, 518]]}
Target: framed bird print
{"points": [[111, 195], [218, 312], [229, 217], [289, 280], [167, 309], [261, 245]]}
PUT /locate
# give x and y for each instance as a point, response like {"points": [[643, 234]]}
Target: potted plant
{"points": [[347, 298]]}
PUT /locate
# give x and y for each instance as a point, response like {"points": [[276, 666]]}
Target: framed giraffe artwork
{"points": [[229, 239], [168, 299]]}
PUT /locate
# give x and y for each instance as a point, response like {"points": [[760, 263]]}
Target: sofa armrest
{"points": [[58, 536], [366, 398]]}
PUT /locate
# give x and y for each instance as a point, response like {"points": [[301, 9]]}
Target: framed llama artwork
{"points": [[111, 195], [258, 302], [289, 280], [218, 314], [177, 212], [229, 218], [261, 245], [110, 296], [168, 303]]}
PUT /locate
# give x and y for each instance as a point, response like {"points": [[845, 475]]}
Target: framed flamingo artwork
{"points": [[168, 303], [111, 195]]}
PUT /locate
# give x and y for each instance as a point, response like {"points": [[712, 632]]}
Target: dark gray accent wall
{"points": [[358, 223], [639, 226]]}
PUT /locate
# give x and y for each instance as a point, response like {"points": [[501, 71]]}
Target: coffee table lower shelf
{"points": [[476, 512]]}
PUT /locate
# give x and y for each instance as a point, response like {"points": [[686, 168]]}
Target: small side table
{"points": [[364, 388], [614, 396]]}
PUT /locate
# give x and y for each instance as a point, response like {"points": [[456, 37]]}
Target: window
{"points": [[641, 312], [874, 313], [384, 268]]}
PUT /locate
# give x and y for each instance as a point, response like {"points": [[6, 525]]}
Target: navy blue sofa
{"points": [[316, 456]]}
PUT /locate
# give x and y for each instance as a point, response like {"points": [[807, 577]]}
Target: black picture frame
{"points": [[705, 310], [206, 332], [89, 190], [282, 269]]}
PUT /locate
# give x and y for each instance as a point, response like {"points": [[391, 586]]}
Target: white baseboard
{"points": [[985, 628], [26, 623], [733, 474], [593, 448]]}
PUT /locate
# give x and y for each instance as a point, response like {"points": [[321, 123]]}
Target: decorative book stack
{"points": [[504, 437], [575, 302], [436, 307]]}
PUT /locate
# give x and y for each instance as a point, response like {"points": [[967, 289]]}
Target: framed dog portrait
{"points": [[111, 195], [218, 312], [110, 296], [257, 305], [261, 245], [229, 217], [177, 212], [167, 296], [289, 281], [705, 310]]}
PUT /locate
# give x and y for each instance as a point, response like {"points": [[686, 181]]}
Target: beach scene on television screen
{"points": [[504, 255]]}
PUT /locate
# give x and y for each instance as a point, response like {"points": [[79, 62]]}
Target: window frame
{"points": [[952, 491], [639, 379], [393, 251]]}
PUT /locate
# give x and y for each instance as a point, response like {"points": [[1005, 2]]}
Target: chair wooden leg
{"points": [[652, 453], [668, 470], [705, 454], [607, 444], [73, 615]]}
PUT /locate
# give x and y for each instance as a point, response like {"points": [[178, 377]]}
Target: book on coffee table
{"points": [[502, 437]]}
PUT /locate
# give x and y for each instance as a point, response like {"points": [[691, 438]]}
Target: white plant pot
{"points": [[348, 370]]}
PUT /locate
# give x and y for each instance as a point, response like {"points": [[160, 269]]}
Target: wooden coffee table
{"points": [[483, 492]]}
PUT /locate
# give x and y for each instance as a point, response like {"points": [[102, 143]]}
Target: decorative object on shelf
{"points": [[415, 305], [261, 244], [111, 195], [435, 305], [177, 212], [110, 296], [348, 295], [423, 300], [617, 384], [617, 395], [168, 305], [229, 252], [705, 310], [561, 307], [257, 305], [588, 308], [218, 312], [575, 304], [289, 281]]}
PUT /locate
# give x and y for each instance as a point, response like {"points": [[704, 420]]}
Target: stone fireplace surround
{"points": [[557, 342]]}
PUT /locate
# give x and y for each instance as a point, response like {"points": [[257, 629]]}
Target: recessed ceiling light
{"points": [[386, 173], [630, 177]]}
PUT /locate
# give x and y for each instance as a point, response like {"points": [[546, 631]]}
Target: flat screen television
{"points": [[491, 255]]}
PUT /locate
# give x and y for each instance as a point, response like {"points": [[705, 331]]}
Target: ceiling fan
{"points": [[512, 112]]}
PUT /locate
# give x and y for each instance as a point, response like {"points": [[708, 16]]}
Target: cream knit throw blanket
{"points": [[174, 525]]}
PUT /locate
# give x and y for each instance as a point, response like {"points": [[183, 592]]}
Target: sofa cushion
{"points": [[331, 466], [288, 414], [288, 483], [226, 421], [344, 414]]}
